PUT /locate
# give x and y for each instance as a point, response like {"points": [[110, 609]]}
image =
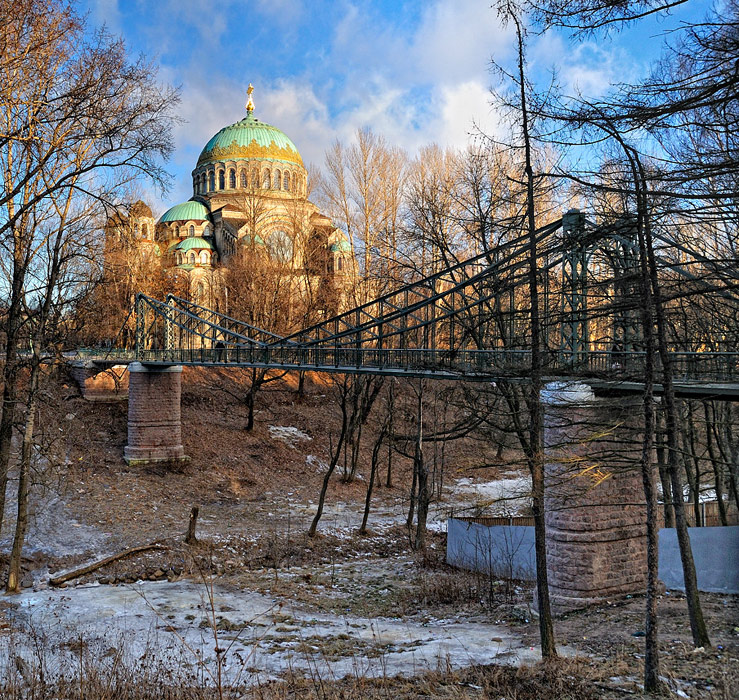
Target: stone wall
{"points": [[154, 417], [595, 517]]}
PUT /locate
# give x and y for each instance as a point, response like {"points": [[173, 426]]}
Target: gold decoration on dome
{"points": [[252, 150], [250, 101]]}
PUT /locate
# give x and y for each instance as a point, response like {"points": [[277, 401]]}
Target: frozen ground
{"points": [[172, 624], [45, 534]]}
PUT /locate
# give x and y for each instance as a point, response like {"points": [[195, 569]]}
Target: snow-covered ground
{"points": [[169, 623], [288, 434]]}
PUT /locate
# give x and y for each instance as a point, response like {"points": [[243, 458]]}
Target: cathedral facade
{"points": [[250, 192]]}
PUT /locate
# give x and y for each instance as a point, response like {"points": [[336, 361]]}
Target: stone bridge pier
{"points": [[97, 384], [154, 416], [594, 502]]}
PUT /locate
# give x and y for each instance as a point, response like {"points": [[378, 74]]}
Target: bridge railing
{"points": [[625, 366]]}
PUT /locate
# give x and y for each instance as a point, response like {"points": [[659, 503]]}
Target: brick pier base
{"points": [[596, 523], [100, 385], [154, 425]]}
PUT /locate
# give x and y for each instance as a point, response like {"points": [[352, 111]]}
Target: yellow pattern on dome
{"points": [[253, 150]]}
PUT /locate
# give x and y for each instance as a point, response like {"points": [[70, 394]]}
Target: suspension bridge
{"points": [[471, 320]]}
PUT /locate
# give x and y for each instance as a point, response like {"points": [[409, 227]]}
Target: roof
{"points": [[194, 243], [340, 247], [250, 138], [246, 240], [187, 211]]}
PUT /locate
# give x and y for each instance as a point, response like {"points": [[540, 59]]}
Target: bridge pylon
{"points": [[154, 414]]}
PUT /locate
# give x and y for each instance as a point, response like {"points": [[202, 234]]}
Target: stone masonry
{"points": [[595, 517], [101, 385], [154, 425]]}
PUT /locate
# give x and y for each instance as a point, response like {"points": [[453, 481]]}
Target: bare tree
{"points": [[76, 115]]}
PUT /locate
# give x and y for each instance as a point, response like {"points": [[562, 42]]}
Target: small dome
{"points": [[250, 138], [187, 211], [141, 209], [340, 247], [194, 243]]}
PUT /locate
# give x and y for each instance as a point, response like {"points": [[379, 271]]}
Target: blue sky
{"points": [[415, 71]]}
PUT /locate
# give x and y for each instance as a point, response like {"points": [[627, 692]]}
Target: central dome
{"points": [[250, 138]]}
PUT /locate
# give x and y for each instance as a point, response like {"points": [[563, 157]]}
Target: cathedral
{"points": [[250, 191]]}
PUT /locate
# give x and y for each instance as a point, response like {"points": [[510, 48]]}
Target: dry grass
{"points": [[111, 679]]}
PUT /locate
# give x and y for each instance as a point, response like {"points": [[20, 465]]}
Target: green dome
{"points": [[250, 138], [187, 211], [340, 247], [194, 243]]}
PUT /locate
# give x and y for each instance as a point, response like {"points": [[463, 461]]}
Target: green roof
{"points": [[187, 211], [246, 240], [340, 247], [250, 138], [194, 243]]}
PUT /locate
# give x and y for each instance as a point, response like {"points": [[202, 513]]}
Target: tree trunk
{"points": [[13, 584], [192, 524], [536, 414], [690, 457], [391, 411], [695, 613], [373, 474], [423, 478], [10, 397], [664, 476], [335, 456], [718, 473]]}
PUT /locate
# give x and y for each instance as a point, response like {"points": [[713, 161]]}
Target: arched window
{"points": [[340, 264], [212, 177], [206, 230], [222, 180], [179, 258], [192, 258], [286, 181], [266, 179], [232, 179], [280, 246], [144, 231], [242, 179], [204, 257], [191, 231], [278, 180]]}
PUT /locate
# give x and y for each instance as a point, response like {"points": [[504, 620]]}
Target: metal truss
{"points": [[472, 320]]}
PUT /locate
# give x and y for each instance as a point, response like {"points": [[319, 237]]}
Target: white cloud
{"points": [[587, 69], [457, 39], [284, 12], [106, 12]]}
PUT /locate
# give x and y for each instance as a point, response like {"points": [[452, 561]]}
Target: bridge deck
{"points": [[617, 383]]}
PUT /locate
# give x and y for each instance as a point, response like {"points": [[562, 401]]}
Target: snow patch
{"points": [[288, 434], [565, 393], [500, 497], [320, 465]]}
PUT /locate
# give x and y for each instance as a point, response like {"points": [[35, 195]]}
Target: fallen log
{"points": [[99, 563]]}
